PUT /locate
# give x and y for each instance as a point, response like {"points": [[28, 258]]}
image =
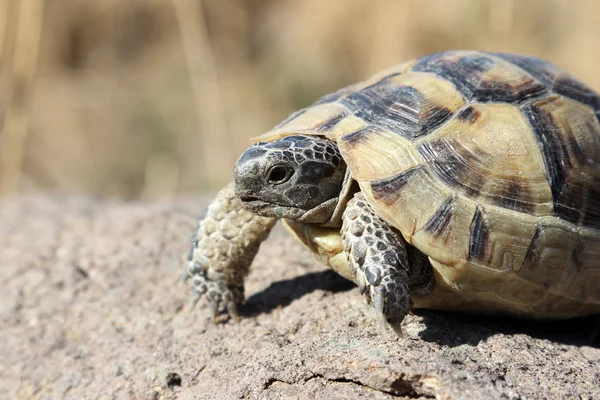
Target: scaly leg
{"points": [[385, 272], [223, 247]]}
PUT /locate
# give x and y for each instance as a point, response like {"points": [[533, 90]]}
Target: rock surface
{"points": [[90, 308]]}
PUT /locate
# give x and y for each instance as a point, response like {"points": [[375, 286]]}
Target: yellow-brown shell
{"points": [[489, 164]]}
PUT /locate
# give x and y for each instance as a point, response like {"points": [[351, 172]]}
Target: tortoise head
{"points": [[297, 177]]}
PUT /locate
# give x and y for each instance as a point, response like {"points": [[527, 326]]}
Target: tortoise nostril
{"points": [[279, 174]]}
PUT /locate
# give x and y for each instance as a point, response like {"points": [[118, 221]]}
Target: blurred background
{"points": [[144, 99]]}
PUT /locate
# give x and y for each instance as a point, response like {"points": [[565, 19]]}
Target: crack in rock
{"points": [[399, 387]]}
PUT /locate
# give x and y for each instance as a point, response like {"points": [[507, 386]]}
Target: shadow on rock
{"points": [[442, 327], [284, 292], [454, 329]]}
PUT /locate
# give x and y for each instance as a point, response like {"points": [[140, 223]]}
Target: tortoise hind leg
{"points": [[384, 271]]}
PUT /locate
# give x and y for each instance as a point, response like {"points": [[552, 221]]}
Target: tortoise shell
{"points": [[485, 162]]}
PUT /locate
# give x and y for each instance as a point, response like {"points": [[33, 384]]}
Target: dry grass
{"points": [[149, 98], [20, 71]]}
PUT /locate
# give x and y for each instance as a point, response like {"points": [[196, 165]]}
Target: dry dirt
{"points": [[90, 308]]}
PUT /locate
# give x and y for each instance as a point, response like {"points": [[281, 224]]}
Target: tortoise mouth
{"points": [[271, 210], [247, 198], [254, 204]]}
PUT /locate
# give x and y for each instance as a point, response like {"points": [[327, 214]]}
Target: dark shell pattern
{"points": [[489, 163]]}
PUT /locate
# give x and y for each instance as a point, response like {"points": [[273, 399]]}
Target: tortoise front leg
{"points": [[386, 269], [223, 247]]}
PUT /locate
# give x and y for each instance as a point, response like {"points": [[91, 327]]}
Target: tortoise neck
{"points": [[334, 208]]}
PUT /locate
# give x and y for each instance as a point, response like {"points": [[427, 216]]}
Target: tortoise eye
{"points": [[279, 174]]}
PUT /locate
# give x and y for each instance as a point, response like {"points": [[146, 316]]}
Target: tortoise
{"points": [[462, 180]]}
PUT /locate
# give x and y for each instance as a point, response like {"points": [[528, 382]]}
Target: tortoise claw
{"points": [[361, 282], [194, 298], [378, 302], [183, 278], [397, 328], [213, 307], [233, 312]]}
